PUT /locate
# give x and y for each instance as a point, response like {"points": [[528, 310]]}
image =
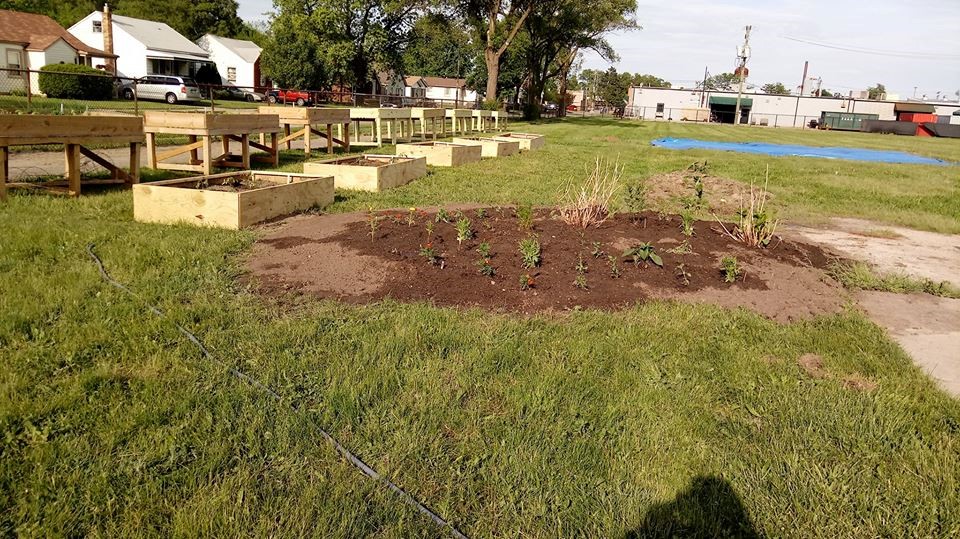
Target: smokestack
{"points": [[107, 28]]}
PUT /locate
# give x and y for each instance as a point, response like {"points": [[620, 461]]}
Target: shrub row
{"points": [[75, 81]]}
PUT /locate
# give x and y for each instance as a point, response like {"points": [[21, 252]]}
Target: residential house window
{"points": [[231, 74], [97, 27], [14, 61]]}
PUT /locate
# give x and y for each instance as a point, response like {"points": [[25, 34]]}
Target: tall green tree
{"points": [[440, 47], [877, 92], [649, 81], [495, 24], [559, 30], [612, 89], [721, 82], [775, 88]]}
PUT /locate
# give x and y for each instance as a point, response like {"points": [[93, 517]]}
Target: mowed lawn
{"points": [[662, 420]]}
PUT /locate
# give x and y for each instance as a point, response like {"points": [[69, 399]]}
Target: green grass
{"points": [[662, 420], [859, 276]]}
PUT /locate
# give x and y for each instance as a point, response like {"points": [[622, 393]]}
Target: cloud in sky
{"points": [[680, 37]]}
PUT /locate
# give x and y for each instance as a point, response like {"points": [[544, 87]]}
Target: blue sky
{"points": [[680, 37]]}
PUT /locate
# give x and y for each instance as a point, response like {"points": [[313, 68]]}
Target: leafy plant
{"points": [[635, 196], [686, 223], [581, 279], [524, 213], [373, 221], [756, 227], [411, 216], [730, 268], [530, 252], [484, 250], [443, 216], [596, 252], [589, 204], [643, 253], [683, 274], [526, 282], [683, 249], [698, 171], [75, 81], [481, 213], [464, 232], [427, 251], [614, 264]]}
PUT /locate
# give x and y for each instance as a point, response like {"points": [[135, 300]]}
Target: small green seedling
{"points": [[581, 280], [526, 282], [643, 253], [464, 232], [597, 252], [686, 222], [443, 216], [530, 252], [428, 252], [730, 268], [525, 216], [614, 266], [683, 274]]}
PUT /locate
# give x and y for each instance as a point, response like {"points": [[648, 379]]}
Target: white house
{"points": [[442, 89], [414, 87], [146, 47], [31, 41], [238, 61], [388, 83]]}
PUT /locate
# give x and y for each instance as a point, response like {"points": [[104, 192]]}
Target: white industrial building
{"points": [[758, 109]]}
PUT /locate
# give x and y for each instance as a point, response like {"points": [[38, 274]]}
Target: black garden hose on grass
{"points": [[353, 459]]}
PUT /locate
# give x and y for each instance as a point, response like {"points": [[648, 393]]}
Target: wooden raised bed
{"points": [[397, 122], [433, 116], [260, 197], [304, 119], [482, 119], [441, 154], [499, 119], [201, 127], [461, 119], [528, 141], [370, 172], [491, 147], [74, 133]]}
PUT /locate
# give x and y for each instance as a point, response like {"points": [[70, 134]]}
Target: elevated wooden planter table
{"points": [[303, 120], [461, 119], [482, 119], [395, 121], [230, 200], [74, 133], [200, 128], [434, 117], [499, 119]]}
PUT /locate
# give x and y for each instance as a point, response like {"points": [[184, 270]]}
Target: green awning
{"points": [[745, 102], [913, 107]]}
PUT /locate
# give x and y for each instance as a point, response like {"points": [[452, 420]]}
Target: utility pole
{"points": [[743, 53], [703, 87]]}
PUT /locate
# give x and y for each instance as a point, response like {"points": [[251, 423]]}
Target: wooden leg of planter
{"points": [[207, 154], [152, 150], [134, 163], [330, 139], [225, 141], [346, 136], [194, 154], [245, 150], [4, 171], [276, 149], [72, 152], [286, 133], [307, 143], [377, 128]]}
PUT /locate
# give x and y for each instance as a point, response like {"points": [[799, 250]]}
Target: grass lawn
{"points": [[662, 420]]}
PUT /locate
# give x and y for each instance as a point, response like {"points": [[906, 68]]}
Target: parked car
{"points": [[163, 88], [289, 96], [242, 95]]}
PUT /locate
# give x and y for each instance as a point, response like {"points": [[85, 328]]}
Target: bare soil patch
{"points": [[721, 195], [335, 257], [235, 185]]}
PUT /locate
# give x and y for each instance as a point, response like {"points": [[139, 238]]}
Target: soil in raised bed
{"points": [[237, 185], [335, 256]]}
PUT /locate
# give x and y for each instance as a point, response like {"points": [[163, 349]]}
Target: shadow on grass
{"points": [[708, 507]]}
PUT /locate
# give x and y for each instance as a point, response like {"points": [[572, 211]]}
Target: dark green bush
{"points": [[75, 81]]}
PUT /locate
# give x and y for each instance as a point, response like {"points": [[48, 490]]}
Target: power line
{"points": [[900, 54]]}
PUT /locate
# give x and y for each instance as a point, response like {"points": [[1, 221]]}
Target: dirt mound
{"points": [[721, 195], [336, 256]]}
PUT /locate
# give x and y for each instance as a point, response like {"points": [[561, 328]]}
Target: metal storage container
{"points": [[844, 121]]}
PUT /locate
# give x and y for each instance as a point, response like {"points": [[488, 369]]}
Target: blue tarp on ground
{"points": [[851, 154]]}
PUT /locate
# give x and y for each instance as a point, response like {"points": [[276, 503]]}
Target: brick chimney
{"points": [[107, 29]]}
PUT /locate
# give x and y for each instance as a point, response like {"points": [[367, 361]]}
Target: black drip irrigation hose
{"points": [[353, 459]]}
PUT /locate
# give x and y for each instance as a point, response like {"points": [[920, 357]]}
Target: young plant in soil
{"points": [[635, 196], [481, 213], [442, 216], [525, 215], [428, 252], [530, 252], [698, 171], [683, 249], [614, 264], [730, 267], [526, 282], [373, 221], [756, 227], [686, 222], [464, 232], [581, 279], [597, 252], [683, 274], [484, 263], [411, 216], [643, 253], [430, 225]]}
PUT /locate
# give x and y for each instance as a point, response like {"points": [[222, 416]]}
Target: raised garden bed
{"points": [[370, 172], [409, 255], [302, 122], [441, 154], [491, 147], [528, 141], [231, 200]]}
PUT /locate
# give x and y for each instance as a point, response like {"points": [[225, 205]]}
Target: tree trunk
{"points": [[562, 111], [492, 60]]}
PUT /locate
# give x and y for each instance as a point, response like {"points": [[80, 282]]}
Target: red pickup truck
{"points": [[289, 96]]}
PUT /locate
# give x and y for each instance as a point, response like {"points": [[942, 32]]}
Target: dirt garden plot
{"points": [[348, 258]]}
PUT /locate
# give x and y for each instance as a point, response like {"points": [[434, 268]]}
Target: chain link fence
{"points": [[719, 116]]}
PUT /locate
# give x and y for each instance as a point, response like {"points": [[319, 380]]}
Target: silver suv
{"points": [[163, 88]]}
